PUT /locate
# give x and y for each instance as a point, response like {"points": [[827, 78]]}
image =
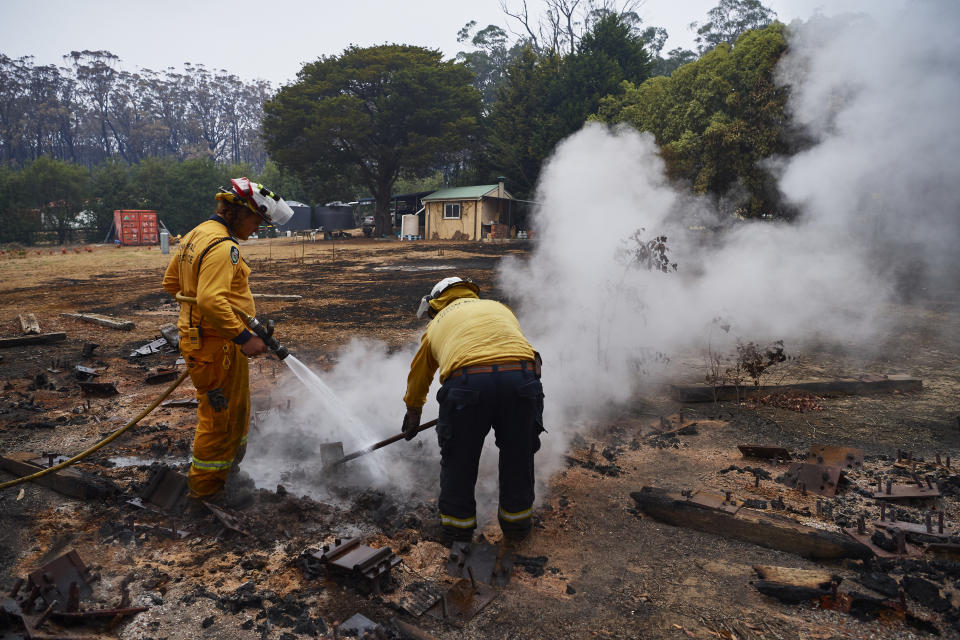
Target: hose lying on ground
{"points": [[113, 436]]}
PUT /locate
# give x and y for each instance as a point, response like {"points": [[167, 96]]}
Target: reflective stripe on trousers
{"points": [[460, 523], [515, 517]]}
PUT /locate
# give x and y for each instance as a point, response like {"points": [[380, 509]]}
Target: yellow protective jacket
{"points": [[468, 331], [208, 266]]}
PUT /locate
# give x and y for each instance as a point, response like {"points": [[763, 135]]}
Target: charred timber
{"points": [[103, 321], [767, 530], [23, 341], [839, 386], [69, 481]]}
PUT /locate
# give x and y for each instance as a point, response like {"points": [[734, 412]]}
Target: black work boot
{"points": [[449, 535], [513, 537], [196, 509]]}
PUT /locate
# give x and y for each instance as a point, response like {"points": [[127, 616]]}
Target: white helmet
{"points": [[258, 199], [439, 288]]}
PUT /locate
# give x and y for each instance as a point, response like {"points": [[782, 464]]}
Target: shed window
{"points": [[451, 211]]}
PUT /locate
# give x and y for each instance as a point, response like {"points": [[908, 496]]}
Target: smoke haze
{"points": [[878, 193]]}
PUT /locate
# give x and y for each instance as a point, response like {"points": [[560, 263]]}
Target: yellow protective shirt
{"points": [[468, 331], [219, 281]]}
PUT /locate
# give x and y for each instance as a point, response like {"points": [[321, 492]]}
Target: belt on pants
{"points": [[527, 365]]}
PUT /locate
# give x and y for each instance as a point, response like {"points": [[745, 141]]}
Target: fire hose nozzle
{"points": [[265, 333]]}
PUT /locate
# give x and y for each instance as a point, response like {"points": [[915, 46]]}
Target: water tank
{"points": [[300, 220], [333, 218], [410, 225]]}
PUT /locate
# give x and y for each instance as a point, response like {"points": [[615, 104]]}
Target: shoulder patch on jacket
{"points": [[234, 255]]}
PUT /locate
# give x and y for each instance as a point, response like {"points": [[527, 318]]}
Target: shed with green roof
{"points": [[466, 213]]}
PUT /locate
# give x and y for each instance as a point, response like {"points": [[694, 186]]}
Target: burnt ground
{"points": [[595, 566]]}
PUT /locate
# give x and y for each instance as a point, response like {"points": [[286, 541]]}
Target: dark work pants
{"points": [[512, 403]]}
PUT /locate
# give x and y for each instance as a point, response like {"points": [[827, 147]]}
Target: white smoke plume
{"points": [[879, 91], [878, 192]]}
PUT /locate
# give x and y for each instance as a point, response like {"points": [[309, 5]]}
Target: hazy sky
{"points": [[271, 40]]}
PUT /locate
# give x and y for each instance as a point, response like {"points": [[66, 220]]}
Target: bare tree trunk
{"points": [[384, 212]]}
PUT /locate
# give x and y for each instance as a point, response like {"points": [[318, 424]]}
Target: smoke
{"points": [[878, 192], [879, 91], [878, 195]]}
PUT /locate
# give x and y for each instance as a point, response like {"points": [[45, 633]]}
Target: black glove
{"points": [[411, 422]]}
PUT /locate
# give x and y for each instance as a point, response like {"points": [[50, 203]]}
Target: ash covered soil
{"points": [[594, 566]]}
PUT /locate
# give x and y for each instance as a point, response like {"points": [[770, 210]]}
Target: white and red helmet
{"points": [[425, 309], [258, 199]]}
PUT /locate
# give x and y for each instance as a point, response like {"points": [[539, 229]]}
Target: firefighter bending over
{"points": [[213, 340], [490, 377]]}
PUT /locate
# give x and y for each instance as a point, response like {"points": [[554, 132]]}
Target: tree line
{"points": [[55, 200], [90, 137], [370, 116], [91, 111]]}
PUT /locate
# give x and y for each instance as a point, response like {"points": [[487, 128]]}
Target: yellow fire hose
{"points": [[248, 319], [105, 441]]}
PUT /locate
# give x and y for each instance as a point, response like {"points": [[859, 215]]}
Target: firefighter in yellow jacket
{"points": [[490, 377], [214, 342]]}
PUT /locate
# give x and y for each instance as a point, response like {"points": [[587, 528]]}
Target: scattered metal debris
{"points": [[359, 625], [892, 491], [482, 561], [231, 521], [764, 453], [724, 502], [61, 582], [351, 559], [54, 592], [844, 457], [160, 345], [796, 586], [419, 596], [83, 373], [105, 389], [816, 478], [465, 599], [166, 491], [931, 527], [864, 536]]}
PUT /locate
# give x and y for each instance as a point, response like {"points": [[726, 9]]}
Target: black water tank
{"points": [[301, 219], [333, 218]]}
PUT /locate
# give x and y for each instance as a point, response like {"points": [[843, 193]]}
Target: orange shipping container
{"points": [[136, 227]]}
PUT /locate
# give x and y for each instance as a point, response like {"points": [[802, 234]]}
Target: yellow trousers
{"points": [[219, 372]]}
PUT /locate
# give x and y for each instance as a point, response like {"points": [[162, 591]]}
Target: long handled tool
{"points": [[382, 443]]}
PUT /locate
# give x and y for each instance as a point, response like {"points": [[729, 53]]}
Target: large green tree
{"points": [[717, 119], [547, 97], [375, 112]]}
